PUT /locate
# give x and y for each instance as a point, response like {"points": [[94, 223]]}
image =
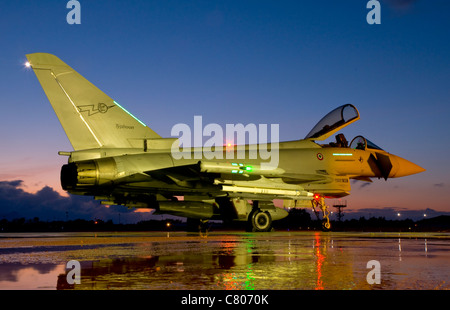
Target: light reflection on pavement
{"points": [[225, 260]]}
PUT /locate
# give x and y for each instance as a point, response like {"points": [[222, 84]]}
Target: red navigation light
{"points": [[316, 197]]}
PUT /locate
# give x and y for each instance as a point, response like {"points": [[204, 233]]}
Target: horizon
{"points": [[49, 205]]}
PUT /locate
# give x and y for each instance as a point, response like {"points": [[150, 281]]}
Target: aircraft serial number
{"points": [[341, 180]]}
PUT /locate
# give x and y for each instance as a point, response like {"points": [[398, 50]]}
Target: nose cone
{"points": [[403, 167]]}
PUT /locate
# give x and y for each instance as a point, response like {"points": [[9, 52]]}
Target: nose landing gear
{"points": [[319, 201]]}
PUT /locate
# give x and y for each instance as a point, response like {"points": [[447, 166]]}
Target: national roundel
{"points": [[319, 156]]}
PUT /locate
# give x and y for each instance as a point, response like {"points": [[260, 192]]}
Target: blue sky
{"points": [[262, 62]]}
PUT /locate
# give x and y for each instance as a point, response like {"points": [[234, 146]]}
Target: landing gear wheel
{"points": [[198, 226], [204, 226], [260, 221], [326, 226]]}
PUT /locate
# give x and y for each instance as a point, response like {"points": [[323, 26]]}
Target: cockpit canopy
{"points": [[361, 143], [333, 122]]}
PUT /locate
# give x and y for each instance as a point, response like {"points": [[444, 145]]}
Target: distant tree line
{"points": [[298, 219], [35, 225]]}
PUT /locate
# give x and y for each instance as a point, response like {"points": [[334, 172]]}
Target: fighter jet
{"points": [[119, 160]]}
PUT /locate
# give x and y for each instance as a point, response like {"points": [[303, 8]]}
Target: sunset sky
{"points": [[261, 62]]}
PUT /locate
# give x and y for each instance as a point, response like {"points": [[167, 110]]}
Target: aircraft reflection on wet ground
{"points": [[222, 261]]}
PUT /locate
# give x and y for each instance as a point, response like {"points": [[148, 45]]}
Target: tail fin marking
{"points": [[90, 118]]}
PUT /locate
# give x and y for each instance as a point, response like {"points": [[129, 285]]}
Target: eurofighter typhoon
{"points": [[120, 161]]}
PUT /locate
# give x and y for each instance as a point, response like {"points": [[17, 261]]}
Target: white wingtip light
{"points": [[27, 64]]}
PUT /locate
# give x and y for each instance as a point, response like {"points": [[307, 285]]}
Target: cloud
{"points": [[49, 205], [365, 185], [361, 184]]}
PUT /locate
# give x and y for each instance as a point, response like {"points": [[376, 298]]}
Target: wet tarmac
{"points": [[225, 261]]}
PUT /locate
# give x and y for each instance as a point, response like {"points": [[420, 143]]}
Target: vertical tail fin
{"points": [[90, 118]]}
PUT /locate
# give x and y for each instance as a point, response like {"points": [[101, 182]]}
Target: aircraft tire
{"points": [[260, 221], [326, 226]]}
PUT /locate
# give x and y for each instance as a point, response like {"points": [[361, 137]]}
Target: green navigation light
{"points": [[130, 114]]}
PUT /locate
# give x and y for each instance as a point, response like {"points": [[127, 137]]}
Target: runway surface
{"points": [[225, 260]]}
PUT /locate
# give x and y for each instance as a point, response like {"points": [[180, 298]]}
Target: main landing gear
{"points": [[198, 225], [319, 201], [259, 220]]}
